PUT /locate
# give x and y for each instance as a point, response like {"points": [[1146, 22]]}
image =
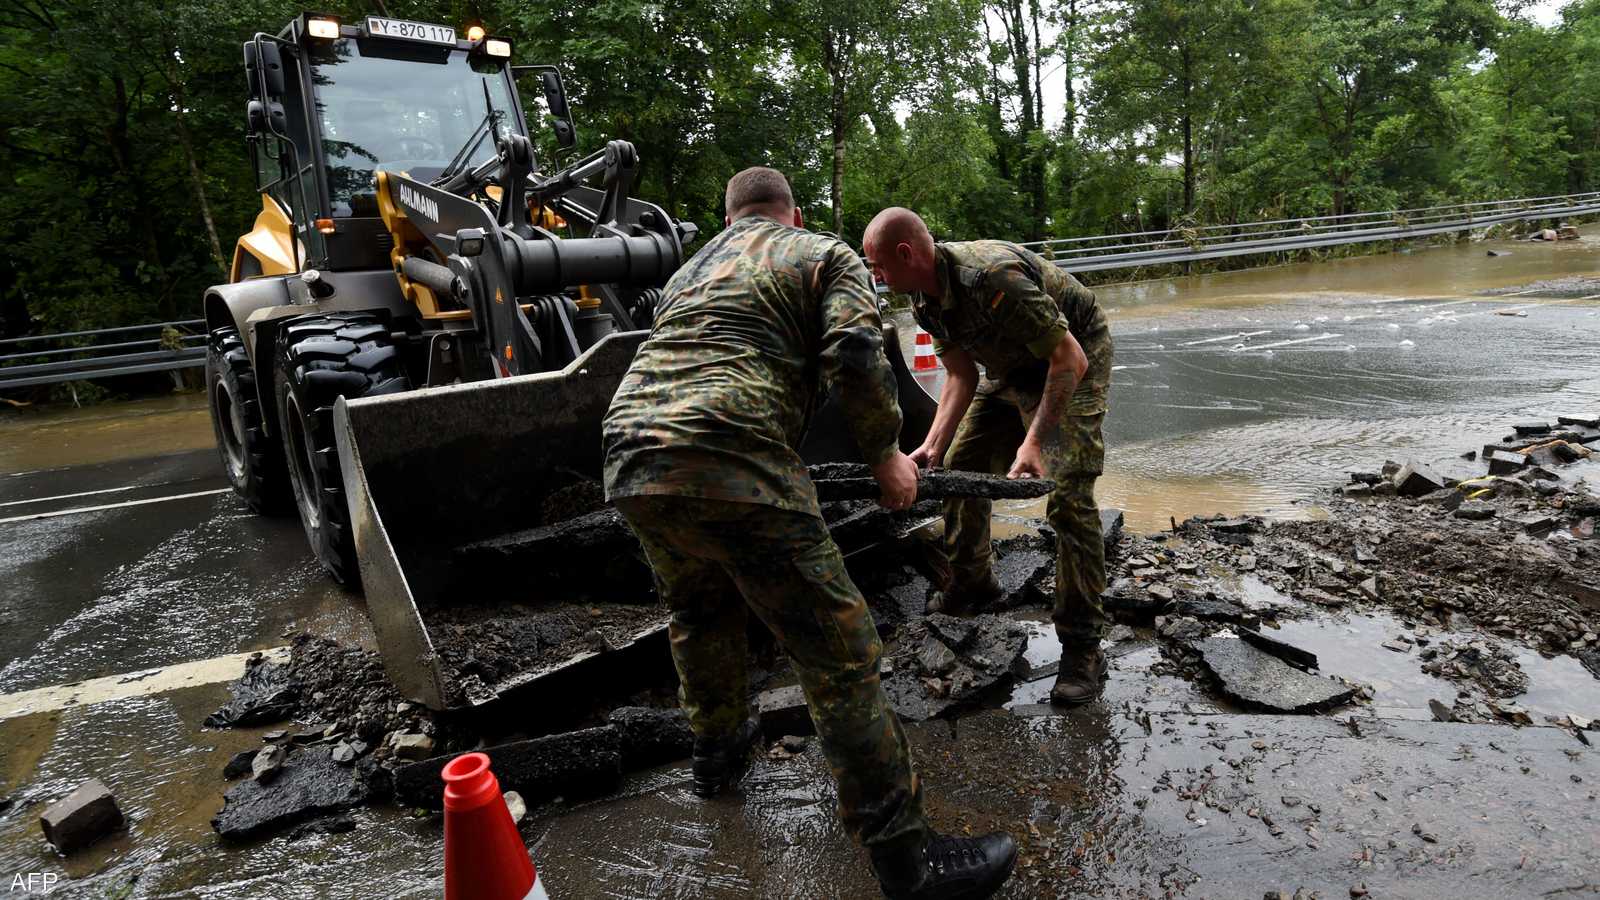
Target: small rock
{"points": [[1397, 646], [1356, 491], [1441, 713], [1160, 592], [239, 765], [794, 743], [1321, 598], [1360, 890], [343, 753], [1505, 462], [1369, 589], [517, 807], [1474, 510], [268, 762], [82, 817], [935, 658], [783, 710], [1415, 479], [412, 746]]}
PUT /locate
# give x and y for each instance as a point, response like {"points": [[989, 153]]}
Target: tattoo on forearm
{"points": [[1058, 386]]}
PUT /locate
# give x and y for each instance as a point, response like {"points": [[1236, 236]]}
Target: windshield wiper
{"points": [[491, 117]]}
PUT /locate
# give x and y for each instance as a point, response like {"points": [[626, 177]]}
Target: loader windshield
{"points": [[398, 107]]}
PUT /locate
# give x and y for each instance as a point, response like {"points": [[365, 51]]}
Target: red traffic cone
{"points": [[484, 857], [925, 360]]}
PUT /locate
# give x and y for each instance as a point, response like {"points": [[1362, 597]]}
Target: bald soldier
{"points": [[1045, 349], [700, 458]]}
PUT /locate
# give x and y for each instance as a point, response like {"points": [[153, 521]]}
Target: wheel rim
{"points": [[301, 470], [230, 429]]}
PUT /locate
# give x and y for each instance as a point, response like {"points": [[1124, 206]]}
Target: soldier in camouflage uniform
{"points": [[1046, 354], [700, 459]]}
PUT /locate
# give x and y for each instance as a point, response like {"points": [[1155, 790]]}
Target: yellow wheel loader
{"points": [[425, 325]]}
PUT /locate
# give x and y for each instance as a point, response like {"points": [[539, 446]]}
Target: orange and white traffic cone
{"points": [[926, 360], [484, 857]]}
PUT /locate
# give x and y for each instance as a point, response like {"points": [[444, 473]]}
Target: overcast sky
{"points": [[1545, 12]]}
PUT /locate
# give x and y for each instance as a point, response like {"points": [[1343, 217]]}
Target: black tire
{"points": [[320, 359], [252, 459]]}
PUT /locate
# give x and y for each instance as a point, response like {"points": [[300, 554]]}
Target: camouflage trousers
{"points": [[987, 441], [715, 559]]}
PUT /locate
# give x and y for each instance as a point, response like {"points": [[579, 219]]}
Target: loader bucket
{"points": [[428, 471]]}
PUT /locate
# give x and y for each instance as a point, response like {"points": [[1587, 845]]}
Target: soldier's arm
{"points": [[1029, 316], [1067, 366], [960, 384], [852, 357]]}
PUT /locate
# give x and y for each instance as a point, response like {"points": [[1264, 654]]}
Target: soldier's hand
{"points": [[1029, 462], [928, 456], [897, 477]]}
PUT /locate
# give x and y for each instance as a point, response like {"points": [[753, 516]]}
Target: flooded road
{"points": [[1242, 392], [131, 582]]}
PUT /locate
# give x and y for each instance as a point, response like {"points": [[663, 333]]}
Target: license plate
{"points": [[411, 31]]}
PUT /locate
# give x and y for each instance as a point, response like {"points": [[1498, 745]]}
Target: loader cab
{"points": [[333, 103]]}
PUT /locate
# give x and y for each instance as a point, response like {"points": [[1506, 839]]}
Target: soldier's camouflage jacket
{"points": [[1008, 308], [749, 332]]}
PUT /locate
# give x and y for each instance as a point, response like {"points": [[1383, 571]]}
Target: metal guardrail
{"points": [[1154, 248], [21, 368], [27, 368]]}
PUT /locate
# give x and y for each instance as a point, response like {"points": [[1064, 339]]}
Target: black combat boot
{"points": [[1078, 679], [963, 597], [719, 762], [946, 868]]}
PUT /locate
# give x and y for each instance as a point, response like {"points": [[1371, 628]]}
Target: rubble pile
{"points": [[941, 662], [1471, 557], [1493, 669]]}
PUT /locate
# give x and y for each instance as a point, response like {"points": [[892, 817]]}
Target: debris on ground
{"points": [[573, 764], [1259, 680], [82, 817], [943, 661], [310, 785], [1494, 669], [1471, 566], [265, 693]]}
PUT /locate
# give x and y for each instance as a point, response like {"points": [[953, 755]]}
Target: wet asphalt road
{"points": [[119, 590], [192, 574]]}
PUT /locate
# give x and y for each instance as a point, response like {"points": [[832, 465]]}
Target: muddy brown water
{"points": [[1221, 402], [1244, 392]]}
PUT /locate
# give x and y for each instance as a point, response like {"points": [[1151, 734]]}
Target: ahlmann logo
{"points": [[427, 206]]}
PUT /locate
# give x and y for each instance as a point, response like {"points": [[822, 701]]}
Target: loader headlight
{"points": [[327, 29], [475, 33], [497, 47]]}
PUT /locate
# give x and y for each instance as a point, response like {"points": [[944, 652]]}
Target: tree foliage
{"points": [[126, 180]]}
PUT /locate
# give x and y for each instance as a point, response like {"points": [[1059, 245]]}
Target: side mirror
{"points": [[255, 117], [252, 69], [271, 68], [555, 97]]}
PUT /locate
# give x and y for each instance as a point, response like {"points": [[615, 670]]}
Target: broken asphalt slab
{"points": [[265, 693], [854, 481], [310, 784], [574, 764], [1260, 680]]}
